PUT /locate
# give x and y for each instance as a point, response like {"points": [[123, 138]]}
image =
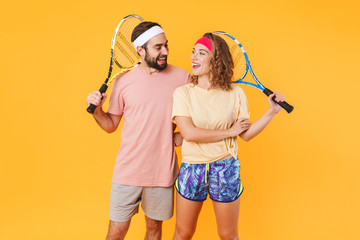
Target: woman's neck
{"points": [[204, 82]]}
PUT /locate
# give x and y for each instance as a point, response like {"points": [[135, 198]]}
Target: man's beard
{"points": [[152, 62]]}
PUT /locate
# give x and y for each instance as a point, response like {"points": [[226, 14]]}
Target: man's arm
{"points": [[178, 139], [107, 121]]}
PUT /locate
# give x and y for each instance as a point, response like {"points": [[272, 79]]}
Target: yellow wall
{"points": [[300, 175]]}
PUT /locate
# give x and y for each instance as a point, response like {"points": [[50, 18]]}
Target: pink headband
{"points": [[206, 42]]}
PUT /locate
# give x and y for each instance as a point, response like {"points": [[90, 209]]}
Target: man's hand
{"points": [[96, 98], [178, 139]]}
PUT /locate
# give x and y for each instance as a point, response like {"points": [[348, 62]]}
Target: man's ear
{"points": [[140, 50]]}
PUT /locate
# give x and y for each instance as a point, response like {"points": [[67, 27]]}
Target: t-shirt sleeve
{"points": [[243, 110], [116, 101], [180, 104]]}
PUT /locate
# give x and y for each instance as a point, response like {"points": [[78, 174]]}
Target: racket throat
{"points": [[103, 88], [268, 92]]}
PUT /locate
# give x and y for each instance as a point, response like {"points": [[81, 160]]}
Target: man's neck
{"points": [[149, 70]]}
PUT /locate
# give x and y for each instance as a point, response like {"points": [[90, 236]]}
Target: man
{"points": [[146, 164]]}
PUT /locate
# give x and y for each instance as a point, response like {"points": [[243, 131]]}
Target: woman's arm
{"points": [[259, 125], [194, 134]]}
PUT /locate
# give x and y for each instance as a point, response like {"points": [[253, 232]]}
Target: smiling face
{"points": [[155, 52], [218, 72], [200, 60]]}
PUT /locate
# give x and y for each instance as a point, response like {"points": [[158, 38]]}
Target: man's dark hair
{"points": [[141, 28]]}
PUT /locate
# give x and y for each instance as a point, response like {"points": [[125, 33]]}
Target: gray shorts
{"points": [[156, 202]]}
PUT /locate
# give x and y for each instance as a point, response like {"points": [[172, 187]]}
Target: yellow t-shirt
{"points": [[209, 109]]}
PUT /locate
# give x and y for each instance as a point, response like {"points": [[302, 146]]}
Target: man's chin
{"points": [[161, 66]]}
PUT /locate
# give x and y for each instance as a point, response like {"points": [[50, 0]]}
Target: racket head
{"points": [[241, 60], [242, 66], [124, 52]]}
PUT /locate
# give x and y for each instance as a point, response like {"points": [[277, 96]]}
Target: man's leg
{"points": [[124, 203], [158, 205], [153, 229], [117, 230]]}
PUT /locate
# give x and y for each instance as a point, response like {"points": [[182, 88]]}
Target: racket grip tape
{"points": [[92, 107], [284, 104]]}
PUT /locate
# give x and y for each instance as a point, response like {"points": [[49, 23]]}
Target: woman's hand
{"points": [[274, 106], [239, 126]]}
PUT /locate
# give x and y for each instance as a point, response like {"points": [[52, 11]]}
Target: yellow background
{"points": [[301, 175]]}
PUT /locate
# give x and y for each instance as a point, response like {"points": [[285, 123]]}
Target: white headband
{"points": [[147, 35]]}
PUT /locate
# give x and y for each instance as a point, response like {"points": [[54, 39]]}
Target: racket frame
{"points": [[259, 85], [248, 66], [105, 85], [112, 59]]}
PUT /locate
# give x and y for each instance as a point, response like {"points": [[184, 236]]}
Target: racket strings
{"points": [[127, 57], [125, 54], [240, 64]]}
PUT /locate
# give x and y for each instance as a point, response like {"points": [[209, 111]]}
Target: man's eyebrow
{"points": [[160, 44]]}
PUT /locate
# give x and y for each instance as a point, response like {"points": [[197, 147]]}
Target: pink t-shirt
{"points": [[147, 154]]}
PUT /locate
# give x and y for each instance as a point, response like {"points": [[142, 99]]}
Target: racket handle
{"points": [[92, 107], [284, 104]]}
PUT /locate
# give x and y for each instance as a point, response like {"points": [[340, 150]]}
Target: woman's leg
{"points": [[227, 218], [187, 213]]}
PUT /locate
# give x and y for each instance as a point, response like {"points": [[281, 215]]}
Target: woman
{"points": [[210, 113]]}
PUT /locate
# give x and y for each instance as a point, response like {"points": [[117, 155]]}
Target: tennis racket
{"points": [[242, 66], [123, 52]]}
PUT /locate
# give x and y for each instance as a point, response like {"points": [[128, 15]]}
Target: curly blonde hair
{"points": [[221, 64]]}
